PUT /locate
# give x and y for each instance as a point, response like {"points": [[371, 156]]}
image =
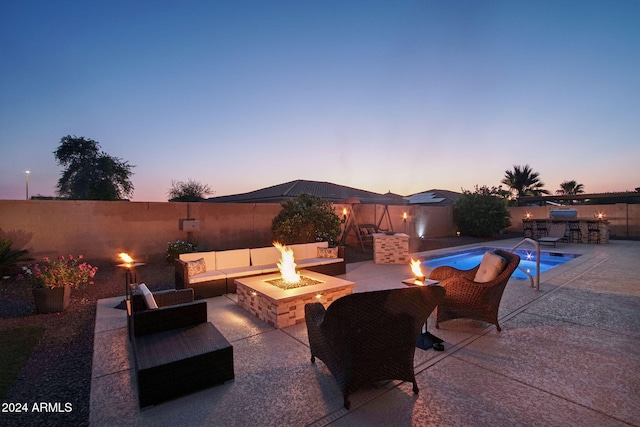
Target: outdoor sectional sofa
{"points": [[213, 273]]}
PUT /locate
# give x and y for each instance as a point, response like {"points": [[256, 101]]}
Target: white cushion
{"points": [[207, 276], [490, 266], [148, 297], [209, 258], [232, 259], [265, 256], [232, 273], [299, 251]]}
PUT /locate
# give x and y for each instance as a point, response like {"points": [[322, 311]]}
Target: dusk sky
{"points": [[400, 96]]}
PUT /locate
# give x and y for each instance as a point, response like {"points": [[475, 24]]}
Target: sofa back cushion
{"points": [[265, 256], [209, 258], [299, 251], [233, 258]]}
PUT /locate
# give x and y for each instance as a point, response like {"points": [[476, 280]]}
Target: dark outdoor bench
{"points": [[176, 351]]}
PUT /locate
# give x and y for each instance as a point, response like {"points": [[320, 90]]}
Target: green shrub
{"points": [[480, 214], [10, 257], [306, 219], [178, 247]]}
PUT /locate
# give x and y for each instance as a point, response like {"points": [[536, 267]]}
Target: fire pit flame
{"points": [[287, 264]]}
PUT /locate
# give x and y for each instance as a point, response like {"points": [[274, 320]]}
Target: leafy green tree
{"points": [[190, 191], [306, 219], [91, 174], [524, 181], [480, 213]]}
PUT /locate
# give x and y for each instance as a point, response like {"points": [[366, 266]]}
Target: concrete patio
{"points": [[567, 355]]}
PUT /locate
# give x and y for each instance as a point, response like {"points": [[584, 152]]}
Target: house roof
{"points": [[326, 190], [433, 197]]}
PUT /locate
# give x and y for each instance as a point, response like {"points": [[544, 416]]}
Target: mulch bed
{"points": [[59, 369]]}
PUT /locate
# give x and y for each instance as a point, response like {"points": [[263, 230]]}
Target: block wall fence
{"points": [[100, 230]]}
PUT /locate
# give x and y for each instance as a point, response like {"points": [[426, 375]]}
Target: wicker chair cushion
{"points": [[197, 267], [148, 297], [327, 252], [490, 267]]}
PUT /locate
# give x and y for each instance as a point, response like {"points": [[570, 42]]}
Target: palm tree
{"points": [[570, 188], [524, 181]]}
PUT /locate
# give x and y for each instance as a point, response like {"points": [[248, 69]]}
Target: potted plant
{"points": [[52, 281]]}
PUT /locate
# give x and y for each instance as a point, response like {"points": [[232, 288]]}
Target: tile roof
{"points": [[326, 190]]}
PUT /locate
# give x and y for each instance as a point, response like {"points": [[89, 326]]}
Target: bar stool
{"points": [[593, 229], [575, 233], [527, 229], [541, 229]]}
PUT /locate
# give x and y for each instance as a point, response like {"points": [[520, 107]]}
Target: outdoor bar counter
{"points": [[578, 230]]}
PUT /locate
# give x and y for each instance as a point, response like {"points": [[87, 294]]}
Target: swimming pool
{"points": [[469, 258]]}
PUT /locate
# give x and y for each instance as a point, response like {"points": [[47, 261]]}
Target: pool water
{"points": [[468, 259]]}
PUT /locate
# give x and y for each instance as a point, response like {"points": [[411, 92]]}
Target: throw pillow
{"points": [[490, 267], [148, 297], [196, 267], [327, 252]]}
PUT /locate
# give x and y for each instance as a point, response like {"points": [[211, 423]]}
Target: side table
{"points": [[426, 340]]}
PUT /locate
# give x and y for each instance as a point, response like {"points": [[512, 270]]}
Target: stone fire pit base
{"points": [[281, 308]]}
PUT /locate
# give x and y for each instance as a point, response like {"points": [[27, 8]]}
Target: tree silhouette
{"points": [[190, 191], [570, 188], [91, 174], [524, 181]]}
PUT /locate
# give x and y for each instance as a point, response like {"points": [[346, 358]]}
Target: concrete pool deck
{"points": [[568, 355]]}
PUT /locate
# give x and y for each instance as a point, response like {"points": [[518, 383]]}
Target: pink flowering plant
{"points": [[71, 271]]}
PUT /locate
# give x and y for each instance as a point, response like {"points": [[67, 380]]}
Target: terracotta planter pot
{"points": [[51, 300]]}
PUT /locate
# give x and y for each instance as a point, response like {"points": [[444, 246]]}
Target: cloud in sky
{"points": [[380, 95]]}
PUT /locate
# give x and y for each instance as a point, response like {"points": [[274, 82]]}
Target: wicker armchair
{"points": [[468, 299], [370, 336]]}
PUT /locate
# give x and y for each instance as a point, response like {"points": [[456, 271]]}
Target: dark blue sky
{"points": [[380, 95]]}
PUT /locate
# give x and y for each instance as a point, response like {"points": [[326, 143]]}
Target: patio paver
{"points": [[567, 355]]}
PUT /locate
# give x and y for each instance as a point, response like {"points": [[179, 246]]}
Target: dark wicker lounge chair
{"points": [[370, 336], [472, 300], [176, 351]]}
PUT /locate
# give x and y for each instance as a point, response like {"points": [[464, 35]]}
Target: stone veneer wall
{"points": [[391, 249], [281, 314]]}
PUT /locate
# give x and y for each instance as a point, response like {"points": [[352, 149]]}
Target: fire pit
{"points": [[279, 299], [285, 307], [304, 281]]}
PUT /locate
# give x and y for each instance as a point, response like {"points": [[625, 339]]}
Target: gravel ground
{"points": [[59, 369]]}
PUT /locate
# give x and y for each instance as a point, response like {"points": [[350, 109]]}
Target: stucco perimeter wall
{"points": [[101, 230], [624, 219]]}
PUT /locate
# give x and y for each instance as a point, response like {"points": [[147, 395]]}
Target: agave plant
{"points": [[10, 257]]}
